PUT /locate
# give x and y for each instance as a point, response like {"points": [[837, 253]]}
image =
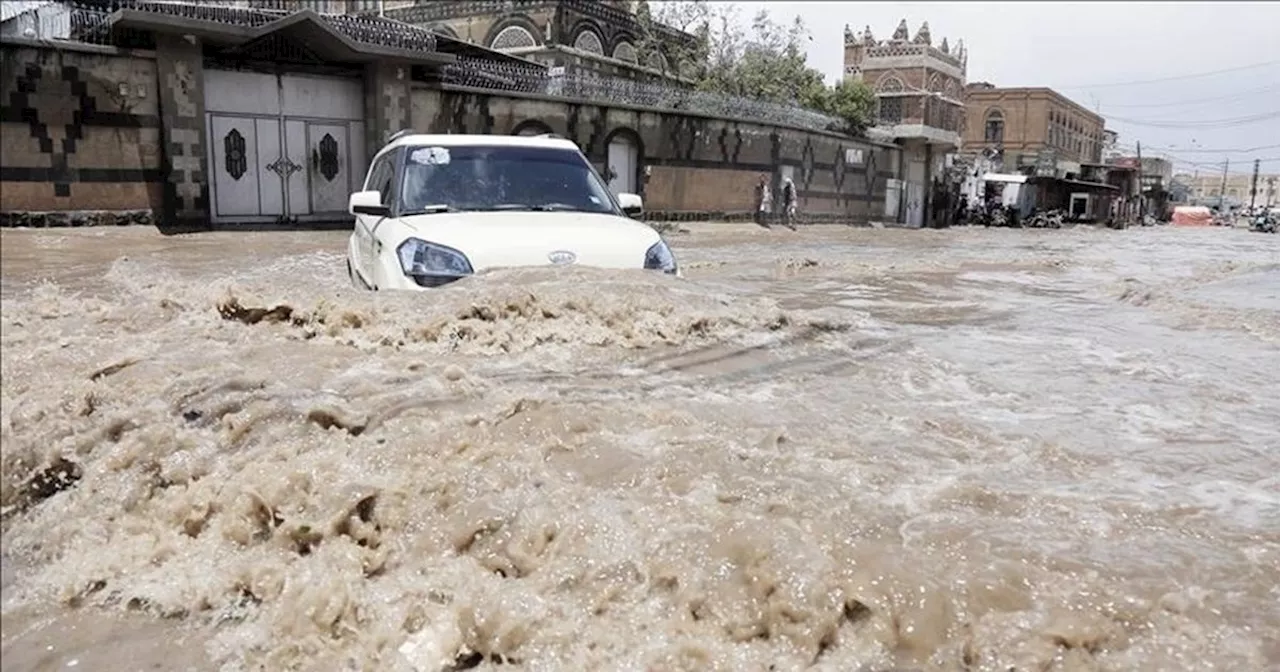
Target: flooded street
{"points": [[833, 449]]}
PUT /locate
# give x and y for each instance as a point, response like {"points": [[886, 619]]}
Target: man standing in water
{"points": [[789, 202], [764, 201]]}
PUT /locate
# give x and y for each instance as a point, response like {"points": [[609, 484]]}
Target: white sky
{"points": [[1082, 49]]}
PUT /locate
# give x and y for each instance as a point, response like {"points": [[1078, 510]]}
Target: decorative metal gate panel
{"points": [[283, 147], [330, 156]]}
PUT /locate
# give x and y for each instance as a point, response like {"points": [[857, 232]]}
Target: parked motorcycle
{"points": [[1049, 219], [1264, 224]]}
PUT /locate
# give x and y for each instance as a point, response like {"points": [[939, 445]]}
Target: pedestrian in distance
{"points": [[764, 201], [790, 201]]}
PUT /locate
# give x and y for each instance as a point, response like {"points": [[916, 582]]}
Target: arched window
{"points": [[587, 40], [657, 61], [890, 84], [513, 37], [994, 131], [625, 52], [935, 84]]}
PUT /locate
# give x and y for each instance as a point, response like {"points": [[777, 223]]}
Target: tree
{"points": [[852, 102], [663, 24], [765, 62]]}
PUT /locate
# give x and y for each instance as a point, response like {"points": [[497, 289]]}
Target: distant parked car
{"points": [[437, 208]]}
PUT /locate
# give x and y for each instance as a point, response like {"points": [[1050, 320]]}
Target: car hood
{"points": [[504, 239]]}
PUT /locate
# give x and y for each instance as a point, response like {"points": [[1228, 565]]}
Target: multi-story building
{"points": [[601, 37], [1209, 188], [1033, 129], [919, 90]]}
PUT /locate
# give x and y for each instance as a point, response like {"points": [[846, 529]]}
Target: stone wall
{"points": [[80, 130], [697, 167]]}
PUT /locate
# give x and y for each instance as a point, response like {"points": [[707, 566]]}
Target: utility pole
{"points": [[1222, 191], [1142, 197], [1253, 189]]}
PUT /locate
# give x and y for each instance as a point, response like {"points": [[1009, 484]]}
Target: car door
{"points": [[380, 179]]}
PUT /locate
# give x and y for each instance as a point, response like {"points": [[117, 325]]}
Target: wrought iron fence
{"points": [[482, 74], [90, 22]]}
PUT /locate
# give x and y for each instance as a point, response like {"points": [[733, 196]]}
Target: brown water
{"points": [[835, 449]]}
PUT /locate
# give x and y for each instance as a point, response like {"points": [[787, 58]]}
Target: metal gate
{"points": [[283, 147], [622, 161]]}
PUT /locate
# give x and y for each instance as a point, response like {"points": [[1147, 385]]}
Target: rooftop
{"points": [[901, 43], [334, 36], [980, 89]]}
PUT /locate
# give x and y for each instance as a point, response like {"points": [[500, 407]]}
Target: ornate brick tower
{"points": [[920, 94], [903, 71]]}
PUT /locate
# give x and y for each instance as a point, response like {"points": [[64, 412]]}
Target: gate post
{"points": [[180, 70], [386, 103]]}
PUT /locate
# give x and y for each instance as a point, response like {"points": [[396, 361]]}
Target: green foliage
{"points": [[765, 61], [854, 103]]}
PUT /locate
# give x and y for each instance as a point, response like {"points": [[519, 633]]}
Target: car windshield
{"points": [[472, 177]]}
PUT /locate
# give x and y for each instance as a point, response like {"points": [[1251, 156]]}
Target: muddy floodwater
{"points": [[834, 449]]}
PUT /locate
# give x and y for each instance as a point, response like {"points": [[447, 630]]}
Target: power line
{"points": [[1217, 165], [1193, 101], [1202, 123], [1199, 164], [1197, 150], [1175, 78]]}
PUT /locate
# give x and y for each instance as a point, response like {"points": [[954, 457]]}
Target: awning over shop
{"points": [[1008, 178], [1099, 186]]}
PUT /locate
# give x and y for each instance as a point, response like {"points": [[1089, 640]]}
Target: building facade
{"points": [[607, 38], [919, 90], [1236, 190], [1036, 129], [1154, 182]]}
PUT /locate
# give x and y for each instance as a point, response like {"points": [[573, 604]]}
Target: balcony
{"points": [[923, 116]]}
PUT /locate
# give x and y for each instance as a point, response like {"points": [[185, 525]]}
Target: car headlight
{"points": [[431, 264], [659, 258]]}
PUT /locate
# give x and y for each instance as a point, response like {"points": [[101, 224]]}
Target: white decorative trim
{"points": [[589, 41], [513, 34]]}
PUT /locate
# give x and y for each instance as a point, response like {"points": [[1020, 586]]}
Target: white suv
{"points": [[436, 208]]}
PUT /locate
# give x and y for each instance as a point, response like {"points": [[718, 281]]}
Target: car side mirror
{"points": [[631, 204], [367, 203]]}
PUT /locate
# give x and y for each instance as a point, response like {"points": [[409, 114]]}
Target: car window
{"points": [[381, 177], [502, 178]]}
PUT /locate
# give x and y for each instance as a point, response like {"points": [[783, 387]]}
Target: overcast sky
{"points": [[1083, 50]]}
